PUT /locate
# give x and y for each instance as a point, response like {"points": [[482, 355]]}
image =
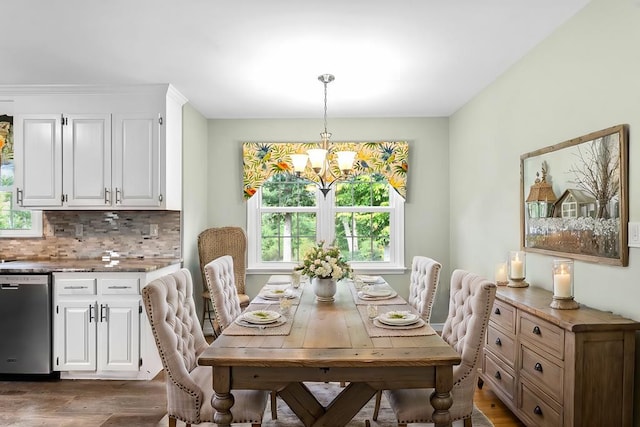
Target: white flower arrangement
{"points": [[324, 263]]}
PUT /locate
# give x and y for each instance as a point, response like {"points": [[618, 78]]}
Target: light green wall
{"points": [[426, 210], [194, 191], [583, 78]]}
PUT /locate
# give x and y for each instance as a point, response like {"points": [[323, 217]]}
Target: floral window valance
{"points": [[262, 160]]}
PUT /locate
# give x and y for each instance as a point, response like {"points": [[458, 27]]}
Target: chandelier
{"points": [[320, 157]]}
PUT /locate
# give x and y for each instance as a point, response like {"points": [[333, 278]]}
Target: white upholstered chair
{"points": [[470, 305], [176, 328], [423, 283], [220, 280], [424, 279], [214, 243]]}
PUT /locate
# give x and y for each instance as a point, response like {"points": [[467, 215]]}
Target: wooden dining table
{"points": [[329, 342]]}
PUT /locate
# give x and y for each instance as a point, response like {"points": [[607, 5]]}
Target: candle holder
{"points": [[563, 285], [501, 274], [517, 269]]}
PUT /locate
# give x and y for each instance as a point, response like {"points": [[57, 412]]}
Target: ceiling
{"points": [[261, 58]]}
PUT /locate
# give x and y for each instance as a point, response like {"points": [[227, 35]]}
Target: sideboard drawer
{"points": [[500, 374], [539, 410], [504, 315], [542, 333], [502, 344], [543, 372]]}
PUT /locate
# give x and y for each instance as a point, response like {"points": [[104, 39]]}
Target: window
{"points": [[14, 222], [363, 216]]}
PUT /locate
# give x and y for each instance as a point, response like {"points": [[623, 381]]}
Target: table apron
{"points": [[377, 378]]}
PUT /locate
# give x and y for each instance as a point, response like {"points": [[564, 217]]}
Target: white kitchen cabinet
{"points": [[86, 159], [136, 167], [75, 327], [100, 327], [119, 150], [38, 160]]}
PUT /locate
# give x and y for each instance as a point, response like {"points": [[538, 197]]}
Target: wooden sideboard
{"points": [[559, 367]]}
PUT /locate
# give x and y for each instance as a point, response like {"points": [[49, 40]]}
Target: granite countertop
{"points": [[141, 265]]}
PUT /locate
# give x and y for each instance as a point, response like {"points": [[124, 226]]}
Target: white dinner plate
{"points": [[371, 279], [398, 318], [261, 316], [366, 297], [377, 292], [276, 293]]}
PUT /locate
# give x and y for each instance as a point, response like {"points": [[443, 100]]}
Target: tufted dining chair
{"points": [[220, 280], [171, 311], [219, 277], [470, 305], [423, 283], [216, 242], [425, 275]]}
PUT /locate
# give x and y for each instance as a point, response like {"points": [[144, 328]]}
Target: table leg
{"points": [[222, 399], [441, 399]]}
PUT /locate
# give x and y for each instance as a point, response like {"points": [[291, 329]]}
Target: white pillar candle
{"points": [[517, 268], [501, 273], [562, 283]]}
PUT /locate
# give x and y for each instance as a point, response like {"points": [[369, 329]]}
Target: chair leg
{"points": [[468, 422], [376, 409], [274, 405], [172, 422]]}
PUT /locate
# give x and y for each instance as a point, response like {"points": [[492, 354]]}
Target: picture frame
{"points": [[574, 198]]}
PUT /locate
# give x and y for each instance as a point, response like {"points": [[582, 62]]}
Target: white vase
{"points": [[324, 289]]}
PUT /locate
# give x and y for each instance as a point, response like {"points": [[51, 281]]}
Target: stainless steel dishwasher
{"points": [[25, 324]]}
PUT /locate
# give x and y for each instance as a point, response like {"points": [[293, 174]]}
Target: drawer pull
{"points": [[498, 342], [75, 287], [498, 376], [119, 287], [497, 311], [536, 330], [538, 367], [537, 410]]}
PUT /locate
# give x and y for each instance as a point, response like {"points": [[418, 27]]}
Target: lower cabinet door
{"points": [[119, 334], [75, 336]]}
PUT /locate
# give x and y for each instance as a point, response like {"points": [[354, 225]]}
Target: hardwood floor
{"points": [[75, 403], [494, 409]]}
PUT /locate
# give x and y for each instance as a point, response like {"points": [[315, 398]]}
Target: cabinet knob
{"points": [[537, 410], [498, 342], [536, 330], [497, 311], [497, 375], [538, 367]]}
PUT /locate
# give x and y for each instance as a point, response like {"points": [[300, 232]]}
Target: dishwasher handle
{"points": [[10, 286]]}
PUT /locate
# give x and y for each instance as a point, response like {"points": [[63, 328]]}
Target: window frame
{"points": [[326, 210]]}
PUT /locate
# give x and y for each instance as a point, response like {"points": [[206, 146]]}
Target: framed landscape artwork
{"points": [[574, 198]]}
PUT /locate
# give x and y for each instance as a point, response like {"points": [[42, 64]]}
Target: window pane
{"points": [[287, 235], [288, 190], [363, 190], [363, 236]]}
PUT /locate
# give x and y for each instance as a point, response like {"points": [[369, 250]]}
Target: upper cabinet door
{"points": [[38, 154], [87, 160], [136, 163]]}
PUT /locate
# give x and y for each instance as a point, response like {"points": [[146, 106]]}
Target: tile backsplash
{"points": [[88, 234]]}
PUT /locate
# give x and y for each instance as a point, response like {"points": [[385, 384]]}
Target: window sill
{"points": [[359, 269]]}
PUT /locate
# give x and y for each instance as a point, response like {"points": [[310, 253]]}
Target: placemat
{"points": [[389, 301], [375, 331], [284, 329]]}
